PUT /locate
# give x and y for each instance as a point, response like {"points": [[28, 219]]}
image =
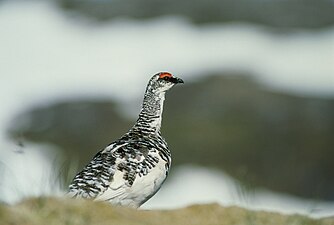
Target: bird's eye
{"points": [[166, 78]]}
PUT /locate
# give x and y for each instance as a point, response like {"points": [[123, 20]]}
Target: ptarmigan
{"points": [[131, 169]]}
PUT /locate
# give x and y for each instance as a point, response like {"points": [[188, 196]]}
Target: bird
{"points": [[131, 169]]}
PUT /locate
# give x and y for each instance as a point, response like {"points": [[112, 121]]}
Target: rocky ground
{"points": [[52, 211]]}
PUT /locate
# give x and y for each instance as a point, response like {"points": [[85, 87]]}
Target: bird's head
{"points": [[163, 81]]}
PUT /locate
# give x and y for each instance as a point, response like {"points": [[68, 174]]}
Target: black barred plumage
{"points": [[131, 169]]}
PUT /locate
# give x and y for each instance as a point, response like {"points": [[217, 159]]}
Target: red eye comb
{"points": [[165, 74]]}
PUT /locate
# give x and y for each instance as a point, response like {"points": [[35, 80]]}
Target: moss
{"points": [[54, 211]]}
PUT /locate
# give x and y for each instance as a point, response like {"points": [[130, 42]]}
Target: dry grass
{"points": [[55, 211]]}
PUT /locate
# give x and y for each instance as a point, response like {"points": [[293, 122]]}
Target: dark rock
{"points": [[280, 141], [283, 14]]}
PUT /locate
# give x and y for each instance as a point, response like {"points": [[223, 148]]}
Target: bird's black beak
{"points": [[176, 80]]}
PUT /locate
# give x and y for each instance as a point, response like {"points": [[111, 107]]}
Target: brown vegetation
{"points": [[54, 211]]}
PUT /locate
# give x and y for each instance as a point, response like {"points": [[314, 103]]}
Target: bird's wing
{"points": [[128, 164], [99, 174], [139, 173], [116, 189]]}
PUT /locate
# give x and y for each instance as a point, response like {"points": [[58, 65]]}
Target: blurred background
{"points": [[252, 126]]}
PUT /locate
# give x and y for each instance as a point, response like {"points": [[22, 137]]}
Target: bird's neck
{"points": [[150, 117]]}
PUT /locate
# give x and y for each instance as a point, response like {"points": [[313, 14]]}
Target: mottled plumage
{"points": [[131, 169]]}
